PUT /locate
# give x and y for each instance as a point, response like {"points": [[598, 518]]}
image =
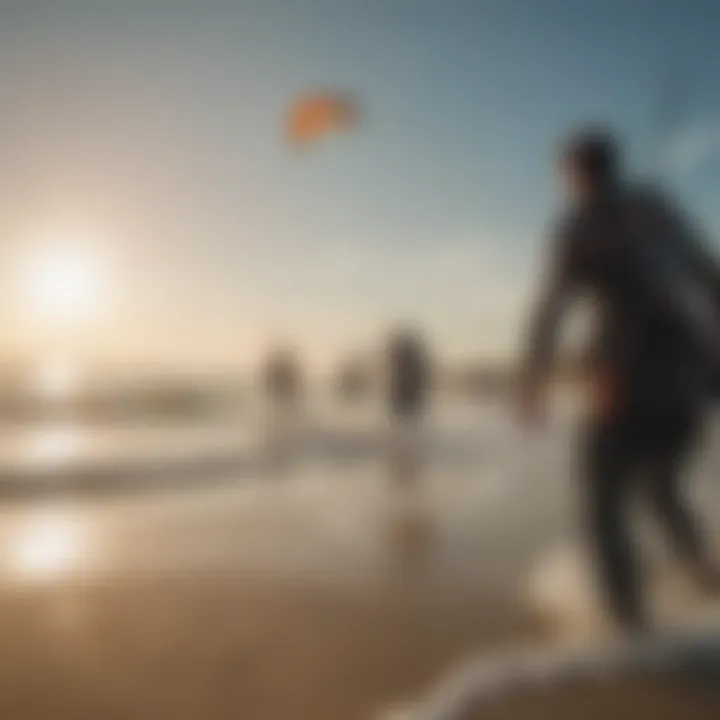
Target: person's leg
{"points": [[666, 488], [609, 464]]}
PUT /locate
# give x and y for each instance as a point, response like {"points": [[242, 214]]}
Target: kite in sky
{"points": [[313, 116]]}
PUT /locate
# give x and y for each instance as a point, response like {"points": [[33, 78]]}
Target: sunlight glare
{"points": [[63, 283], [47, 547]]}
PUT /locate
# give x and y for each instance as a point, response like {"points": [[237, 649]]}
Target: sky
{"points": [[148, 133]]}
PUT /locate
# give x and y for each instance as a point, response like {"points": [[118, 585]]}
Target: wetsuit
{"points": [[642, 265]]}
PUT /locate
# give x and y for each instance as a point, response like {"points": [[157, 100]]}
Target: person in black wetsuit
{"points": [[651, 279]]}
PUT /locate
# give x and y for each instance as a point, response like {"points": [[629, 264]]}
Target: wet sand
{"points": [[224, 604], [222, 649], [321, 596]]}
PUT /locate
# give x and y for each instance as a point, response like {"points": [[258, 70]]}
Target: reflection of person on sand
{"points": [[411, 540], [641, 263], [409, 377], [283, 389]]}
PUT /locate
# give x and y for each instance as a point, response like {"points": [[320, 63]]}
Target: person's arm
{"points": [[556, 291], [672, 223]]}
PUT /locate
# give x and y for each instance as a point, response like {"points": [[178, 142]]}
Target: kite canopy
{"points": [[313, 116]]}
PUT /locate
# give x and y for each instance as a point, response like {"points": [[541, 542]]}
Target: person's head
{"points": [[590, 162], [405, 335]]}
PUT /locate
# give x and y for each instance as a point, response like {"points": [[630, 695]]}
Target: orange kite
{"points": [[312, 116]]}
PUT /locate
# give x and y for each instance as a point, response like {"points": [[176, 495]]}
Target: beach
{"points": [[323, 591]]}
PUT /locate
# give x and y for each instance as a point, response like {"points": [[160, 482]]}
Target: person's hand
{"points": [[531, 405], [606, 394]]}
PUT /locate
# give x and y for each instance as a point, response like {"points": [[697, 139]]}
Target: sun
{"points": [[63, 283]]}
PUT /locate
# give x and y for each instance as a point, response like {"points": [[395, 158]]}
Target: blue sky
{"points": [[152, 128]]}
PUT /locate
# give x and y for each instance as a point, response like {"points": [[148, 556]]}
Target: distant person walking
{"points": [[409, 375], [408, 367], [652, 280], [283, 385], [283, 381]]}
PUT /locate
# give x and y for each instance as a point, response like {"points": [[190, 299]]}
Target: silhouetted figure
{"points": [[283, 383], [409, 375], [651, 279], [283, 380], [408, 391]]}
